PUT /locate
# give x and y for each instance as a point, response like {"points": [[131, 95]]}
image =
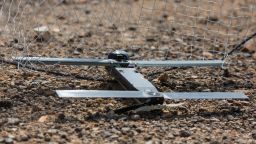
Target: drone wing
{"points": [[109, 62], [183, 63], [70, 61], [204, 95], [142, 94], [102, 94]]}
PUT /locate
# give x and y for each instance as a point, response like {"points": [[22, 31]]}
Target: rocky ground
{"points": [[31, 112]]}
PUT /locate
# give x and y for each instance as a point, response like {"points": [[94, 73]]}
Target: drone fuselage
{"points": [[131, 80]]}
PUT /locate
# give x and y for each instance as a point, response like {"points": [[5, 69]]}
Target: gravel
{"points": [[185, 133], [31, 112], [13, 121], [254, 134]]}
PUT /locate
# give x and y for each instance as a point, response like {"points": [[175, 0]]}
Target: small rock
{"points": [[55, 29], [163, 78], [61, 117], [208, 55], [112, 121], [151, 39], [87, 11], [250, 46], [5, 104], [214, 142], [153, 48], [229, 83], [24, 138], [125, 129], [176, 134], [18, 46], [111, 114], [8, 141], [107, 134], [164, 48], [63, 134], [116, 131], [49, 92], [243, 141], [47, 138], [213, 119], [40, 135], [13, 91], [165, 15], [1, 139], [230, 117], [79, 1], [149, 142], [206, 90], [78, 129], [194, 76], [2, 42], [171, 136], [254, 135], [114, 136], [132, 28], [147, 138], [210, 19], [213, 19], [13, 121], [52, 131], [43, 119], [185, 133], [139, 129], [42, 34], [226, 73], [83, 83], [78, 51], [254, 56], [135, 117], [41, 29]]}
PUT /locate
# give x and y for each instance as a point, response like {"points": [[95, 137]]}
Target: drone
{"points": [[135, 85]]}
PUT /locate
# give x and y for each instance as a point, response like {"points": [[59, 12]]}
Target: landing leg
{"points": [[149, 102]]}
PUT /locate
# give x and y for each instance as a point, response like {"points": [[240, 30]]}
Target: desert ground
{"points": [[31, 111]]}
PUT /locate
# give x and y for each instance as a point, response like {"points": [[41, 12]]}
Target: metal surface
{"points": [[149, 94], [105, 94], [70, 61], [169, 63], [204, 95], [132, 80], [109, 62]]}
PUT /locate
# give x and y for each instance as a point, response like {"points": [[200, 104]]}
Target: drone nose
{"points": [[119, 55]]}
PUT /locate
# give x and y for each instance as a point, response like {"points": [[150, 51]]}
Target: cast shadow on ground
{"points": [[160, 115]]}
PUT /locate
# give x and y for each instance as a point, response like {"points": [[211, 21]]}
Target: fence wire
{"points": [[147, 29]]}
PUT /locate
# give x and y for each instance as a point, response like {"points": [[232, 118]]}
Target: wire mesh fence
{"points": [[147, 29]]}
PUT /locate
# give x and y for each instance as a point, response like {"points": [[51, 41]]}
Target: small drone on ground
{"points": [[134, 83]]}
